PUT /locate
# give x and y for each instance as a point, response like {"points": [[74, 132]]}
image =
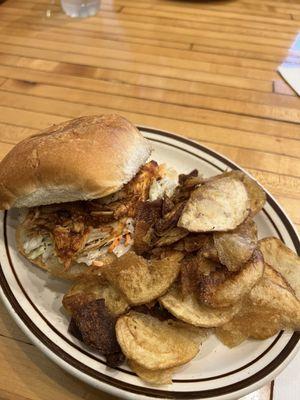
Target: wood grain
{"points": [[206, 70]]}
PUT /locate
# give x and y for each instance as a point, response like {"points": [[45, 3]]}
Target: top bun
{"points": [[81, 159]]}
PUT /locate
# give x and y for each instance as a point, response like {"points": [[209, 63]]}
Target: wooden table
{"points": [[204, 69]]}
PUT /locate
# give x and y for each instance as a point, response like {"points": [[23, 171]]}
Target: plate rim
{"points": [[154, 392]]}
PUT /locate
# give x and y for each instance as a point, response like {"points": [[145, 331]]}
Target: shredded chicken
{"points": [[84, 230]]}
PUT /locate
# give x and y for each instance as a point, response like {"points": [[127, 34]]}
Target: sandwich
{"points": [[80, 183]]}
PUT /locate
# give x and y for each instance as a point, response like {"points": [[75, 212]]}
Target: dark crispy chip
{"points": [[147, 215], [193, 269], [209, 250], [115, 359], [154, 309], [195, 242], [167, 205], [97, 327], [170, 220], [208, 283], [187, 182], [171, 236], [182, 178], [223, 288], [73, 330]]}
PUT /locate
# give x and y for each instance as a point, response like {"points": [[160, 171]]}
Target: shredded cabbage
{"points": [[92, 255], [159, 188], [32, 244], [37, 246]]}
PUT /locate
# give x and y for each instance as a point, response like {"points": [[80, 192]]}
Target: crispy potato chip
{"points": [[97, 327], [141, 280], [172, 236], [269, 308], [209, 249], [236, 247], [192, 242], [256, 194], [86, 290], [191, 311], [274, 276], [219, 205], [283, 260], [159, 377], [230, 289], [193, 268], [155, 344]]}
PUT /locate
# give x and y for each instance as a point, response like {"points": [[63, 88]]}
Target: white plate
{"points": [[34, 300]]}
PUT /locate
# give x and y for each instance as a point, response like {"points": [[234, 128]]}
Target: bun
{"points": [[81, 159]]}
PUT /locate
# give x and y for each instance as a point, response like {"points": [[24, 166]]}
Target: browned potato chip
{"points": [[230, 288], [283, 260], [269, 308], [86, 290], [141, 280], [193, 268], [158, 377], [218, 205], [236, 247], [155, 344], [191, 311], [256, 194], [172, 236]]}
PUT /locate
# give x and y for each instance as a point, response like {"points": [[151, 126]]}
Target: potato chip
{"points": [[87, 290], [283, 260], [191, 311], [256, 194], [218, 205], [141, 280], [230, 289], [236, 247], [156, 344], [172, 236], [158, 377], [269, 308]]}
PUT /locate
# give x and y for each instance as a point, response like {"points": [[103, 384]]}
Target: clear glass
{"points": [[80, 8]]}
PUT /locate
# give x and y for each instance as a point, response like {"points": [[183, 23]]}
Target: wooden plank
{"points": [[214, 20], [174, 18], [13, 133], [27, 371], [174, 97], [27, 79], [78, 45], [98, 61], [28, 119], [174, 84], [8, 327], [111, 34], [167, 33], [291, 206], [142, 23], [120, 43], [157, 108], [245, 53], [4, 148], [276, 184]]}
